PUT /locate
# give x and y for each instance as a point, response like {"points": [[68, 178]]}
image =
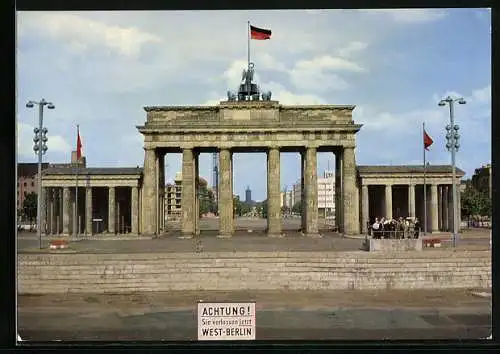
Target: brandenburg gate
{"points": [[249, 126], [132, 200]]}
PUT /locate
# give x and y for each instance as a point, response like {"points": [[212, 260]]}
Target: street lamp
{"points": [[40, 148], [452, 144]]}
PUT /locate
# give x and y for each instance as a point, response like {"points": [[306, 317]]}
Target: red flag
{"points": [[259, 33], [427, 141], [78, 144]]}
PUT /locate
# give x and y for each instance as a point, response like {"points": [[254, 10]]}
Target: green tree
{"points": [[264, 208], [297, 208], [245, 208], [285, 210], [475, 203], [207, 201], [236, 205], [30, 206]]}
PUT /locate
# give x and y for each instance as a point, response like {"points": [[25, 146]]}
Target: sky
{"points": [[101, 68]]}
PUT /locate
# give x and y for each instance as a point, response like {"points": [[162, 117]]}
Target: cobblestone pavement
{"points": [[391, 314], [249, 236]]}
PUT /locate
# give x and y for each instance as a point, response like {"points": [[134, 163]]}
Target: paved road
{"points": [[249, 236], [396, 314], [335, 323]]}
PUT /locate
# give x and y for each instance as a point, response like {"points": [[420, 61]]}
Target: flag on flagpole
{"points": [[259, 33], [78, 144], [427, 141]]}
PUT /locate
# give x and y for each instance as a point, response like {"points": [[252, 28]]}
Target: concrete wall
{"points": [[114, 273]]}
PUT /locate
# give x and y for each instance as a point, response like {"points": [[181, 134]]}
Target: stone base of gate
{"points": [[398, 245]]}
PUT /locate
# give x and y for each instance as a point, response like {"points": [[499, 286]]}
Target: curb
{"points": [[481, 294]]}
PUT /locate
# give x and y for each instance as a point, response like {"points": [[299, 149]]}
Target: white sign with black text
{"points": [[226, 321]]}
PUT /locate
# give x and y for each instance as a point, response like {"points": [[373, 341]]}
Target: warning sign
{"points": [[226, 321]]}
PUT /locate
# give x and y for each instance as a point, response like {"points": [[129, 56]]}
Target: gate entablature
{"points": [[249, 124]]}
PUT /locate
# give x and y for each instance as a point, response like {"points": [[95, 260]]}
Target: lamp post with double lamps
{"points": [[40, 148], [452, 145]]}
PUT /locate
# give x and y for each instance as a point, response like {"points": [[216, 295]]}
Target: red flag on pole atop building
{"points": [[427, 141], [78, 144]]}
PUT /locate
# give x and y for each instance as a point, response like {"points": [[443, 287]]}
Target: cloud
{"points": [[352, 48], [318, 73], [25, 142], [409, 16], [482, 95], [326, 62], [284, 96], [82, 34]]}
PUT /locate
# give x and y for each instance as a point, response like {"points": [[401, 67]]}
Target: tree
{"points": [[285, 210], [236, 205], [207, 201], [264, 208], [30, 206], [297, 208], [475, 203], [245, 208]]}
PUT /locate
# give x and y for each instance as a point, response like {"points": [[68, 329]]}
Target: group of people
{"points": [[398, 228]]}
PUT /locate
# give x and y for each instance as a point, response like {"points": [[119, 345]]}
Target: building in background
{"points": [[326, 194], [27, 174], [297, 193], [27, 177], [287, 198], [173, 198], [248, 195]]}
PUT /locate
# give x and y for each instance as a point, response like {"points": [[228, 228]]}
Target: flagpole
{"points": [[425, 184], [76, 223], [248, 59], [248, 48]]}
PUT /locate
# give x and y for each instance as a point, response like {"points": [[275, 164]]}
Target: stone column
{"points": [[459, 208], [161, 191], [446, 211], [111, 210], [273, 193], [161, 187], [434, 208], [88, 210], [226, 228], [156, 209], [450, 207], [49, 210], [411, 200], [365, 207], [52, 210], [66, 210], [339, 210], [440, 208], [149, 222], [43, 211], [188, 215], [349, 190], [388, 201], [134, 212], [197, 193], [303, 196], [311, 182]]}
